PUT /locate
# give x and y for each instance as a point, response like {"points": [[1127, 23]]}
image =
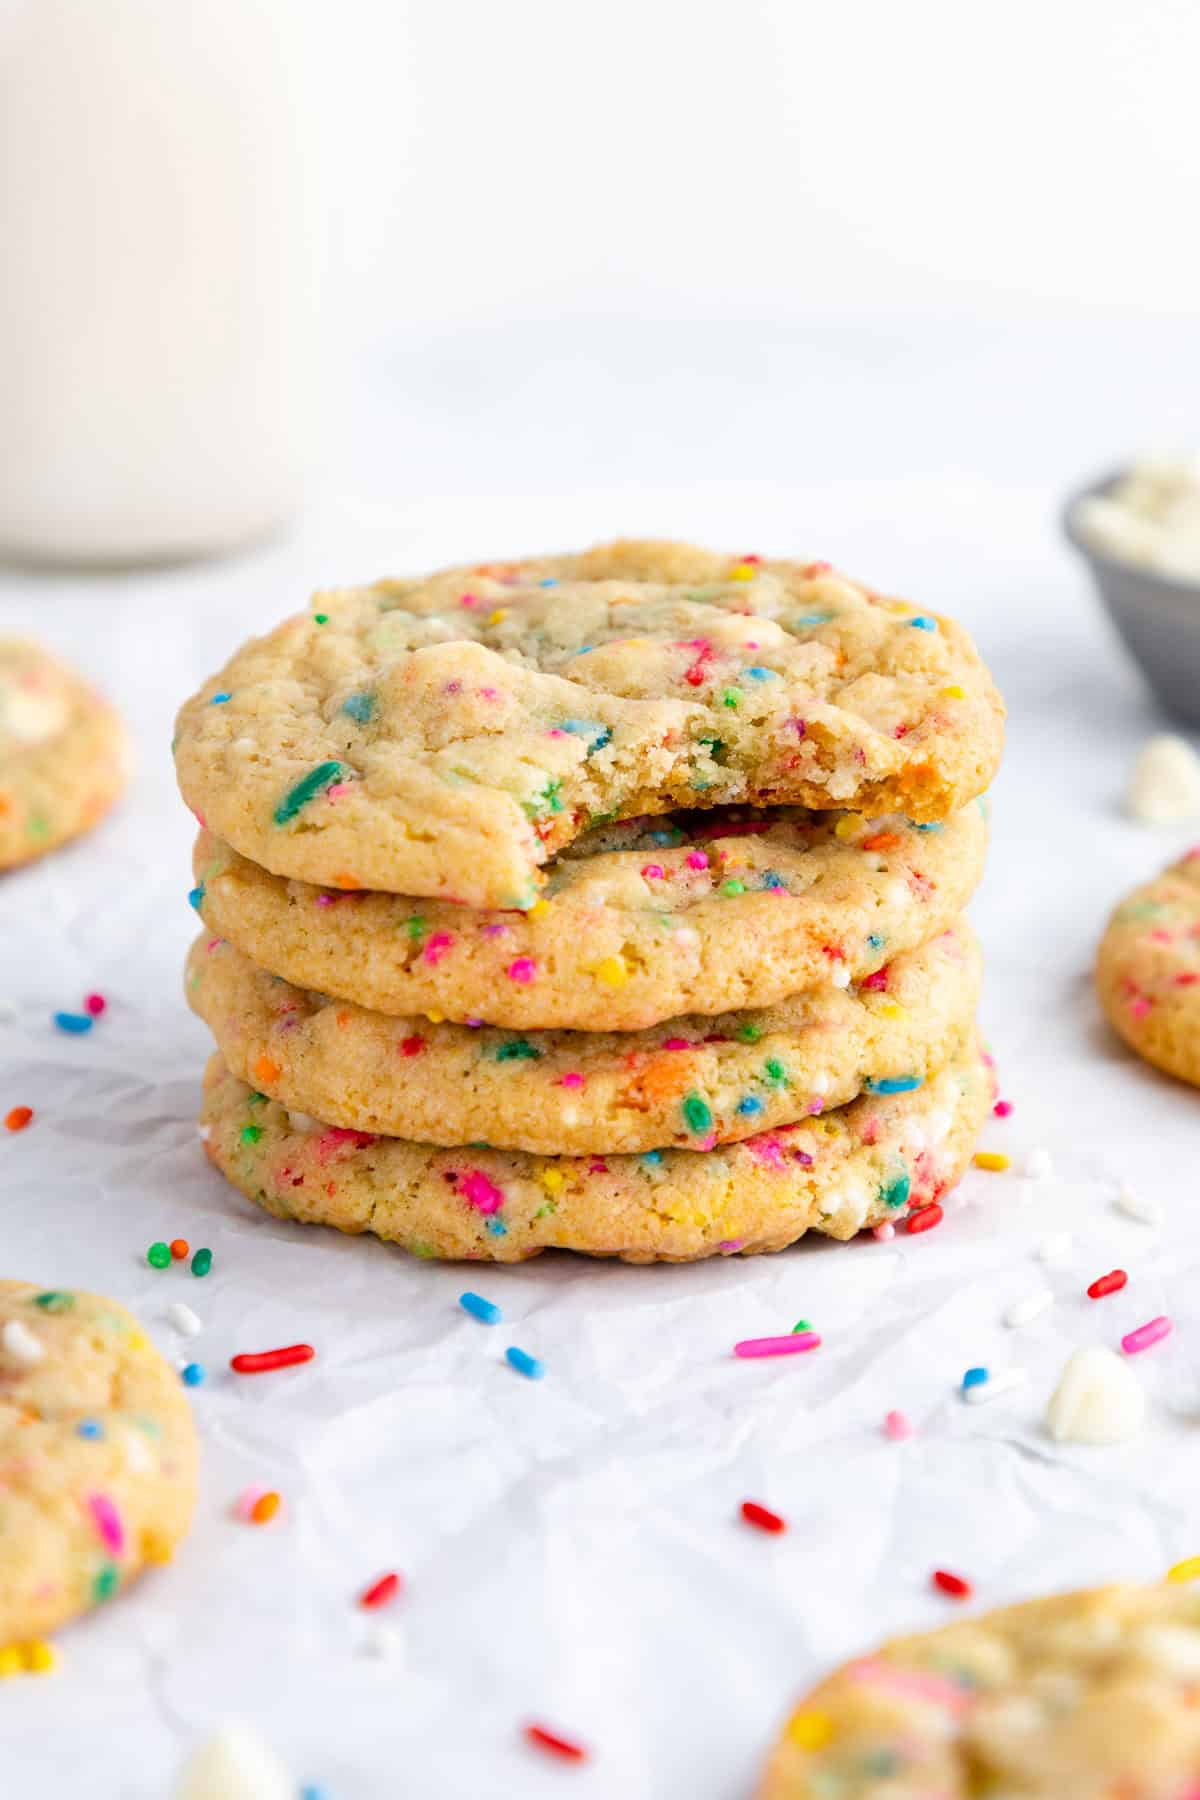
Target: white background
{"points": [[876, 288]]}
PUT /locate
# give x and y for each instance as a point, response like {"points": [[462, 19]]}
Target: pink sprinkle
{"points": [[677, 1044], [95, 1005], [468, 600], [327, 899], [522, 969], [798, 726], [338, 789], [914, 1684], [1002, 1108], [876, 982], [482, 1193], [791, 1345], [883, 1234], [897, 1427], [765, 1148], [572, 1079], [437, 946], [493, 930], [108, 1522], [1139, 1006], [1153, 1332], [247, 1500], [697, 859], [654, 872]]}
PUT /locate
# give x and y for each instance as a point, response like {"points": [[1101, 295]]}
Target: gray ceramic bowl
{"points": [[1157, 615]]}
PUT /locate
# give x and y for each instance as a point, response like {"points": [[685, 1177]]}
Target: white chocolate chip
{"points": [[1164, 787], [1055, 1248], [300, 1121], [235, 1764], [20, 1345], [1136, 1206], [184, 1319], [1098, 1400], [1004, 1382], [1175, 1649], [1028, 1308], [840, 976], [1038, 1165]]}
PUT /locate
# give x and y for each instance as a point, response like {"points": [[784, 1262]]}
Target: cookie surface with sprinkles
{"points": [[1086, 1696], [1148, 969], [63, 753], [881, 1158], [704, 912], [692, 1082], [97, 1457], [445, 737]]}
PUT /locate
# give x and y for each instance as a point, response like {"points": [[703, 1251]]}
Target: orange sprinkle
{"points": [[179, 1248], [881, 840], [266, 1069], [18, 1118], [346, 882], [265, 1508]]}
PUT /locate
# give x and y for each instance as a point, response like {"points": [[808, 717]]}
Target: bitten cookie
{"points": [[63, 754], [445, 737], [1148, 969], [1087, 1696], [873, 1161], [639, 922], [97, 1456], [693, 1082]]}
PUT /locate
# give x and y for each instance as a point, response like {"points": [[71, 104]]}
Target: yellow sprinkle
{"points": [[436, 1018], [890, 1010], [611, 971], [954, 693], [155, 1548], [137, 1340], [39, 1656], [553, 1181], [538, 910], [1187, 1570], [11, 1661], [499, 616], [742, 572], [847, 826], [991, 1159], [810, 1730]]}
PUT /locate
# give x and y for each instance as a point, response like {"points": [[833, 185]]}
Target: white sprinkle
{"points": [[1038, 1164], [1030, 1307], [1136, 1206], [840, 976], [1098, 1400], [1055, 1248], [994, 1386], [204, 1132], [184, 1319], [300, 1121], [20, 1345]]}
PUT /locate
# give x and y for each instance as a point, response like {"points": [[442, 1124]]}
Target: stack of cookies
{"points": [[610, 902]]}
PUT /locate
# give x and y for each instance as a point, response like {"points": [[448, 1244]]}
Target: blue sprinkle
{"points": [[524, 1364], [359, 707], [220, 699], [548, 581], [807, 620], [313, 1793], [486, 1311], [585, 649], [936, 826], [497, 1227], [597, 735], [921, 623], [974, 1378], [89, 1428], [895, 1084], [74, 1023], [194, 1374], [196, 896], [757, 674], [662, 838], [652, 1158], [772, 880], [749, 1106], [875, 940]]}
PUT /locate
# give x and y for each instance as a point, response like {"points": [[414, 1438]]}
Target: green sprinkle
{"points": [[732, 886], [774, 1071], [106, 1583], [731, 696], [250, 1135], [54, 1301], [159, 1256], [320, 618], [696, 1113], [801, 1325], [518, 1050], [38, 826], [547, 799], [895, 1192], [359, 707], [749, 1034], [202, 1262], [256, 1099], [314, 783], [416, 928]]}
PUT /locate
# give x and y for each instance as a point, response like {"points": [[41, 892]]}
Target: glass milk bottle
{"points": [[158, 270]]}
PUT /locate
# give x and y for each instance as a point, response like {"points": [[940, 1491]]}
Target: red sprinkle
{"points": [[925, 1218], [762, 1517], [1002, 1108], [555, 1743], [412, 1046], [381, 1591], [95, 1005], [259, 1361], [954, 1585], [1107, 1284], [18, 1118], [179, 1248]]}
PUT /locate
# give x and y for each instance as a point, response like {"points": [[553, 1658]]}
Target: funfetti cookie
{"points": [[63, 754], [691, 1082], [1088, 1696], [866, 1164], [97, 1460], [443, 738], [700, 912], [1148, 969]]}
